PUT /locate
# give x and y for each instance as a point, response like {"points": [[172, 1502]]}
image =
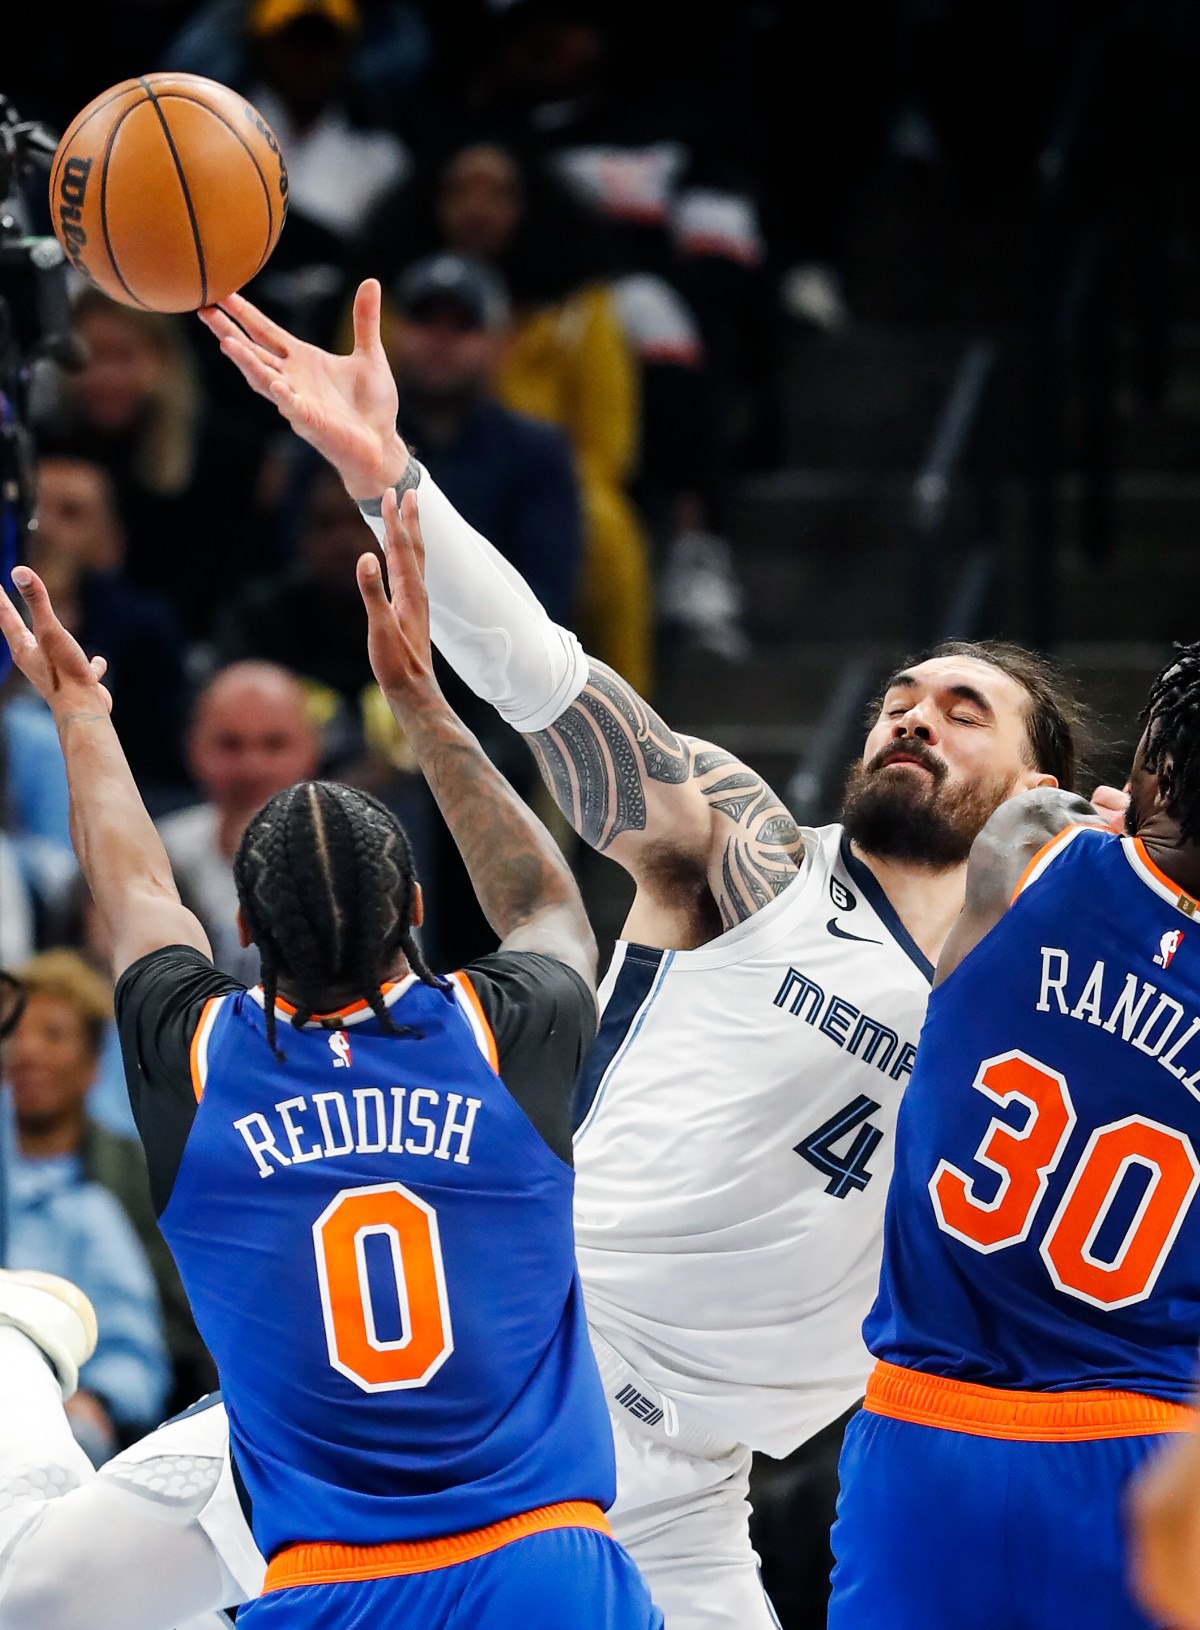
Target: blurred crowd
{"points": [[590, 221]]}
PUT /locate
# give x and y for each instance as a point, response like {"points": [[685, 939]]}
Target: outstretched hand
{"points": [[398, 641], [345, 407], [49, 656]]}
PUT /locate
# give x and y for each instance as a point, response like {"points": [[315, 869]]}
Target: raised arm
{"points": [[519, 876], [1010, 840], [119, 851], [706, 840]]}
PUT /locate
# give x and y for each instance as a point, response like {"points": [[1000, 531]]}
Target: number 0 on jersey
{"points": [[410, 1227]]}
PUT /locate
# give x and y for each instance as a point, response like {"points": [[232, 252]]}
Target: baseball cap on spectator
{"points": [[270, 16], [452, 280]]}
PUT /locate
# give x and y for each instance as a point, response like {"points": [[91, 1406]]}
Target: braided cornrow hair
{"points": [[326, 883], [1172, 720]]}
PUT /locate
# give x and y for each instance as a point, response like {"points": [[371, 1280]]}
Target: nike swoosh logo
{"points": [[841, 934]]}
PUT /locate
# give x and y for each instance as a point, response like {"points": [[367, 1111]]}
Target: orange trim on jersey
{"points": [[360, 1006], [194, 1049], [1030, 1417], [1192, 906], [338, 1564], [1044, 853], [463, 981]]}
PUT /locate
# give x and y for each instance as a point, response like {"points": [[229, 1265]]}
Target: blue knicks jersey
{"points": [[377, 1246], [1043, 1228]]}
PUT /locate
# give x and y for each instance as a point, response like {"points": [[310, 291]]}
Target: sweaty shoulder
{"points": [[160, 1000], [543, 1018]]}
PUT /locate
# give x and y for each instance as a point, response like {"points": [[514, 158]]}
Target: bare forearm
{"points": [[515, 867], [118, 849]]}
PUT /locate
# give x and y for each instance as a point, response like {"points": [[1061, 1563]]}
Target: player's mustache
{"points": [[913, 748]]}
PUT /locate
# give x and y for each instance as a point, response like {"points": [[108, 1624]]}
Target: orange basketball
{"points": [[168, 192]]}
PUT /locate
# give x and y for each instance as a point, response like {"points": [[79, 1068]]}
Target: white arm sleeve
{"points": [[487, 622], [76, 1551]]}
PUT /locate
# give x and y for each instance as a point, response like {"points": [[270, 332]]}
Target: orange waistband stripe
{"points": [[1035, 1417], [327, 1564]]}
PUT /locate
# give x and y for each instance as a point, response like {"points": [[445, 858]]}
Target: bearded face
{"points": [[904, 804]]}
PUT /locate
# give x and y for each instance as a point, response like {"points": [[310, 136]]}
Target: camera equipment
{"points": [[34, 323]]}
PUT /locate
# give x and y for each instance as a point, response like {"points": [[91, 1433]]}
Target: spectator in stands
{"points": [[250, 737], [79, 546], [508, 474], [80, 1206], [185, 482], [300, 58], [391, 52], [649, 156], [567, 361], [309, 617]]}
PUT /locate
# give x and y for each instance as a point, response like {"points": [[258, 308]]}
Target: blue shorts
{"points": [[572, 1577], [938, 1529]]}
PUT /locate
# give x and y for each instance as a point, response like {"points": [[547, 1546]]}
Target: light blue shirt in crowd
{"points": [[61, 1224]]}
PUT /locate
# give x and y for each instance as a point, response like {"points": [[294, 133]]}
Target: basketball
{"points": [[168, 192]]}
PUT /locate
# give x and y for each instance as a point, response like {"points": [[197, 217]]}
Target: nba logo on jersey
{"points": [[339, 1045], [1167, 947]]}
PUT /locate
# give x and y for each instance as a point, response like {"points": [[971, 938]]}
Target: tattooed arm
{"points": [[519, 876], [704, 837]]}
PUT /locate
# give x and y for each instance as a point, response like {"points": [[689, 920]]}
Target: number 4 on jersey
{"points": [[846, 1171]]}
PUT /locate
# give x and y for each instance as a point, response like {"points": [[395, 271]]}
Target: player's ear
{"points": [[245, 938], [418, 911], [1035, 778]]}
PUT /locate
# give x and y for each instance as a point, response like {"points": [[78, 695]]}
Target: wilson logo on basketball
{"points": [[268, 135], [71, 191]]}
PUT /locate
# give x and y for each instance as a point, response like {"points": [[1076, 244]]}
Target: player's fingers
{"points": [[57, 643], [218, 322], [367, 304], [370, 586], [383, 622], [36, 596], [99, 666], [397, 551], [256, 367], [410, 514], [12, 626], [259, 326]]}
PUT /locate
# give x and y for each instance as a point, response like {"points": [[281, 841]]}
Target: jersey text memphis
{"points": [[735, 1147], [1042, 1228], [376, 1242]]}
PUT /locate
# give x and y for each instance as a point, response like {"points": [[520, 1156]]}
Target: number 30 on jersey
{"points": [[1024, 1157]]}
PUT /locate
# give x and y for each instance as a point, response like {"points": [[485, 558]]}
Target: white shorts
{"points": [[685, 1521]]}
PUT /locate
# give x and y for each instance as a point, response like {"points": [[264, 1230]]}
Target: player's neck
{"points": [[927, 902], [1175, 859], [334, 1001]]}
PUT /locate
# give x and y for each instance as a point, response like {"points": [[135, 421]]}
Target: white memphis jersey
{"points": [[735, 1148]]}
